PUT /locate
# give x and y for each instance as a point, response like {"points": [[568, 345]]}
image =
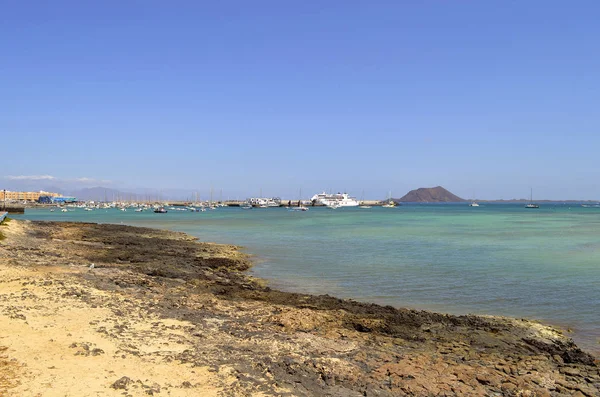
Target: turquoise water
{"points": [[496, 259]]}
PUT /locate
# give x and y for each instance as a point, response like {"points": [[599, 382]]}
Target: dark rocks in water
{"points": [[430, 195]]}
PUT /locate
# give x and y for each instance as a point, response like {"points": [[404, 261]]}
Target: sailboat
{"points": [[362, 201], [531, 203], [390, 203], [301, 207], [473, 203]]}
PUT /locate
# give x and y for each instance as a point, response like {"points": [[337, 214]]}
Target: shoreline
{"points": [[240, 336]]}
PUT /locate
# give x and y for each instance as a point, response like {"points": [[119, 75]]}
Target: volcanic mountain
{"points": [[430, 195]]}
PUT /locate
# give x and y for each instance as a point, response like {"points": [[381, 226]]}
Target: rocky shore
{"points": [[88, 309]]}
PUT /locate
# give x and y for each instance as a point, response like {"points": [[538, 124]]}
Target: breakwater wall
{"points": [[12, 209]]}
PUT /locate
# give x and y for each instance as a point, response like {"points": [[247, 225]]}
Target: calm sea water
{"points": [[496, 259]]}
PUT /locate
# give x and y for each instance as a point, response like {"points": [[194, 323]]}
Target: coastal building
{"points": [[25, 196]]}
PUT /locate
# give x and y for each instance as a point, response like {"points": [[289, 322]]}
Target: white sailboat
{"points": [[300, 207], [531, 203], [362, 202], [390, 203], [473, 203]]}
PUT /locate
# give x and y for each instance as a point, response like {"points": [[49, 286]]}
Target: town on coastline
{"points": [[16, 201]]}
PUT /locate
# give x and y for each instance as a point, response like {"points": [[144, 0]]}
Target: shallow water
{"points": [[496, 259]]}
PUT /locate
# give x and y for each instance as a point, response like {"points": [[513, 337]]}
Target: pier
{"points": [[10, 209]]}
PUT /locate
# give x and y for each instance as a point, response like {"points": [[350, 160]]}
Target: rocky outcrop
{"points": [[168, 304]]}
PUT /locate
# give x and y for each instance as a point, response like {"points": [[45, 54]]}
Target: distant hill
{"points": [[100, 193], [430, 195]]}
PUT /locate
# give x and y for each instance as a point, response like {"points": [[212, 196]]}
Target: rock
{"points": [[122, 383], [558, 359], [570, 371], [484, 379], [509, 388], [97, 352]]}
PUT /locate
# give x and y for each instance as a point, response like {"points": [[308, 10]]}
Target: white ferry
{"points": [[335, 200]]}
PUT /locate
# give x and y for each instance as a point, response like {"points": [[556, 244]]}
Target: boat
{"points": [[160, 210], [263, 202], [473, 204], [531, 203], [139, 210], [362, 202], [335, 200], [246, 206], [300, 208], [389, 204], [64, 210]]}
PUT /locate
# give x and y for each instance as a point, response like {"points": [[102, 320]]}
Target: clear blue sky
{"points": [[487, 98]]}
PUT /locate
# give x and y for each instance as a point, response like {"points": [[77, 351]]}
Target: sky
{"points": [[489, 98]]}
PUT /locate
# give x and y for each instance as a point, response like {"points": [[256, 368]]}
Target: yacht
{"points": [[473, 204], [160, 210], [335, 200], [531, 203], [300, 208], [264, 202], [389, 204]]}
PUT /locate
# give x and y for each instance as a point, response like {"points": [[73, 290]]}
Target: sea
{"points": [[495, 259]]}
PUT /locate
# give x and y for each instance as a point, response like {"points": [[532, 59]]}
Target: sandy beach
{"points": [[110, 310]]}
